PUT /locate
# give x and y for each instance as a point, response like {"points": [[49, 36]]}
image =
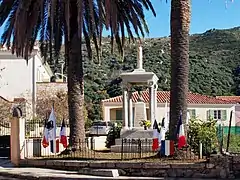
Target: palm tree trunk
{"points": [[75, 82], [180, 22]]}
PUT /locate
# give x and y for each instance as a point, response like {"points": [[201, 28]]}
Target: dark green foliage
{"points": [[113, 134], [214, 66], [204, 132]]}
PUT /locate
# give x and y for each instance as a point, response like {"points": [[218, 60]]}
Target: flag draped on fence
{"points": [[167, 148], [49, 136], [63, 135], [180, 133], [45, 142], [162, 131], [51, 125], [156, 131]]}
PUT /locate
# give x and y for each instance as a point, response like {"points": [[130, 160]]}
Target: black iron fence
{"points": [[94, 149], [35, 128]]}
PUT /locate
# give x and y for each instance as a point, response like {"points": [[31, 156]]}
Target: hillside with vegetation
{"points": [[214, 66]]}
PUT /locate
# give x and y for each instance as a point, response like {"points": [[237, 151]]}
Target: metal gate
{"points": [[5, 131], [5, 146]]}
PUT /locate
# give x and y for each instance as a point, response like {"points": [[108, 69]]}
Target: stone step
{"points": [[99, 172], [131, 149], [133, 140]]}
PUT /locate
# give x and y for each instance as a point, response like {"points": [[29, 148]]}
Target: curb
{"points": [[99, 172]]}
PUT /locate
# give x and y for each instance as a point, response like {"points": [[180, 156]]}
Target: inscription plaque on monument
{"points": [[139, 113]]}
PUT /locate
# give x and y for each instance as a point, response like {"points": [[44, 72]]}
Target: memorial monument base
{"points": [[134, 138], [129, 141]]}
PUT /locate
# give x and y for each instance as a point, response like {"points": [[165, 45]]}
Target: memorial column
{"points": [[130, 108], [125, 107], [151, 102], [155, 101]]}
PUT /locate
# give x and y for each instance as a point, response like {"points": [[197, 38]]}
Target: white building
{"points": [[16, 75], [199, 106]]}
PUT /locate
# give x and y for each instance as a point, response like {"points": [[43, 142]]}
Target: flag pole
{"points": [[53, 104], [229, 131]]}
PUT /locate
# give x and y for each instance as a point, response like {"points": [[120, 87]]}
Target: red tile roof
{"points": [[162, 96], [235, 99]]}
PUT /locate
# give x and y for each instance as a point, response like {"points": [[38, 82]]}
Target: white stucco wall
{"points": [[201, 111], [16, 76]]}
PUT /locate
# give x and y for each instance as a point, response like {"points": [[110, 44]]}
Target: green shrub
{"points": [[113, 134], [234, 143], [204, 132]]}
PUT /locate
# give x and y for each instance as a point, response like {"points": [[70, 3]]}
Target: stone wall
{"points": [[51, 87], [216, 167], [234, 165]]}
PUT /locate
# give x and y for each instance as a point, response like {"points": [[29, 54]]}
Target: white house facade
{"points": [[16, 75], [199, 106]]}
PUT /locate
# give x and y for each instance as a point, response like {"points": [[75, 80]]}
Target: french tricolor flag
{"points": [[45, 141], [54, 146], [162, 133], [156, 131], [51, 126], [181, 134], [167, 148], [63, 135]]}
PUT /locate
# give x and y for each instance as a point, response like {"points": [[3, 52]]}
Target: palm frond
{"points": [[50, 20], [43, 33], [6, 7]]}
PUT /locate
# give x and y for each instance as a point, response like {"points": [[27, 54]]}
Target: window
{"points": [[217, 114], [192, 113], [119, 114]]}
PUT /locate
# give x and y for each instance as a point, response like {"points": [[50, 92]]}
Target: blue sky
{"points": [[206, 14]]}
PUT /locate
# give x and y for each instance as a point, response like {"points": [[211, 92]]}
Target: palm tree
{"points": [[77, 21], [180, 24]]}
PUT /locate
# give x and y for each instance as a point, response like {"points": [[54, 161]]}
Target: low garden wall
{"points": [[216, 167]]}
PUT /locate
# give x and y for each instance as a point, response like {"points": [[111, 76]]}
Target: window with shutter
{"points": [[223, 114], [192, 113], [217, 114], [210, 114]]}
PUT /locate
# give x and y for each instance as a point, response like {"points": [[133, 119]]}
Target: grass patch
{"points": [[234, 143], [91, 155]]}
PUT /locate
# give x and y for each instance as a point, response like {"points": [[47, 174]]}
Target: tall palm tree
{"points": [[180, 24], [77, 21]]}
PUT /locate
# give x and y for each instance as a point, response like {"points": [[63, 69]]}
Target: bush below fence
{"points": [[129, 149]]}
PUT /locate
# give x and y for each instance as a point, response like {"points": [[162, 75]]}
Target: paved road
{"points": [[49, 174], [40, 173]]}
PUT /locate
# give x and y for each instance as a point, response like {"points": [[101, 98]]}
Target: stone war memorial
{"points": [[131, 129]]}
